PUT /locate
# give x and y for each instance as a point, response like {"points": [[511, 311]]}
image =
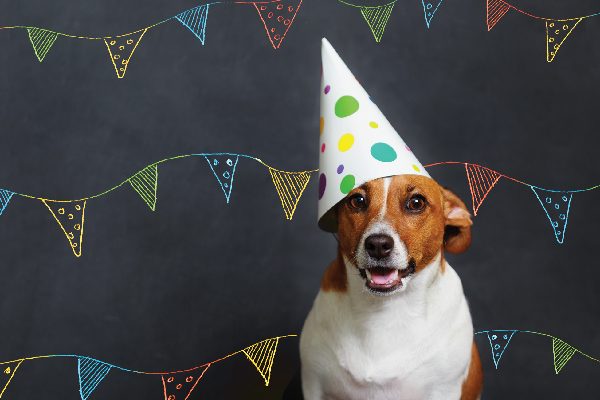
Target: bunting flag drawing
{"points": [[41, 40], [176, 385], [223, 167], [557, 206], [145, 184], [561, 350], [8, 372], [70, 216], [481, 181], [91, 373], [290, 187], [5, 197], [195, 20], [499, 341], [181, 385], [557, 29], [377, 18], [430, 8], [277, 18], [261, 355]]}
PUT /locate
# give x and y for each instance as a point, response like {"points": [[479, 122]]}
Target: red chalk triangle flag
{"points": [[278, 17], [179, 386], [496, 9], [70, 216], [556, 34], [121, 48], [8, 371], [481, 182]]}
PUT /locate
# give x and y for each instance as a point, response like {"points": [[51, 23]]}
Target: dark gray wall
{"points": [[197, 278]]}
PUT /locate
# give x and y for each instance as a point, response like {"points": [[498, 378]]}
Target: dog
{"points": [[391, 320]]}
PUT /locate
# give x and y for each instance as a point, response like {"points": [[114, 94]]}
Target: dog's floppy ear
{"points": [[457, 233]]}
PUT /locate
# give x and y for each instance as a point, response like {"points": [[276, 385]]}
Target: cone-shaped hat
{"points": [[357, 143]]}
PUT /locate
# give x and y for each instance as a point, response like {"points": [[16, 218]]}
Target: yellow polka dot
{"points": [[373, 124], [346, 141], [321, 125], [416, 168]]}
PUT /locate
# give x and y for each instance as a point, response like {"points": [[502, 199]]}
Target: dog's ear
{"points": [[457, 232]]}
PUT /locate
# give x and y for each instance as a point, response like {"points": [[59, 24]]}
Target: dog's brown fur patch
{"points": [[473, 384]]}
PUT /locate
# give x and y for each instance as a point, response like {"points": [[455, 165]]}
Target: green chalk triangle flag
{"points": [[377, 18], [8, 371], [91, 372], [41, 40], [563, 352], [145, 184]]}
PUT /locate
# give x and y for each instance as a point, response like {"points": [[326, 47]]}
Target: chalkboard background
{"points": [[198, 279]]}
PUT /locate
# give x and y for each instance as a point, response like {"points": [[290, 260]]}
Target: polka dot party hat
{"points": [[357, 143]]}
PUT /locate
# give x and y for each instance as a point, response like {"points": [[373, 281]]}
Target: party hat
{"points": [[357, 143]]}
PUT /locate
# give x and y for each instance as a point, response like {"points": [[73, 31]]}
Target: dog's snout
{"points": [[379, 246]]}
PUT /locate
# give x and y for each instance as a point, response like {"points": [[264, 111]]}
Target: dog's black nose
{"points": [[379, 246]]}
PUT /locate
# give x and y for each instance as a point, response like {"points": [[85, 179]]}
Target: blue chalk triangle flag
{"points": [[91, 372], [195, 20], [223, 167], [430, 7], [557, 206], [498, 343], [5, 196]]}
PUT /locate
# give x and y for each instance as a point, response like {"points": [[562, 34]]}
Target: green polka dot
{"points": [[347, 184], [346, 106], [383, 152]]}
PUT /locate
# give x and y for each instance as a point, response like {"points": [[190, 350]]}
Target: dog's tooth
{"points": [[369, 275]]}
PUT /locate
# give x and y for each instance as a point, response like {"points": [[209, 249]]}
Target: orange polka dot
{"points": [[321, 125]]}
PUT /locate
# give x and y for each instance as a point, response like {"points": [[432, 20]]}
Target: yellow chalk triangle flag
{"points": [[289, 186], [70, 216], [563, 352], [377, 18], [556, 34], [41, 40], [261, 355], [145, 184], [8, 372], [121, 48]]}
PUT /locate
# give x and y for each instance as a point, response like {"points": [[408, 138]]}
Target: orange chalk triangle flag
{"points": [[70, 216], [481, 182], [556, 34], [7, 372], [121, 48], [180, 385], [496, 9], [261, 355], [278, 17]]}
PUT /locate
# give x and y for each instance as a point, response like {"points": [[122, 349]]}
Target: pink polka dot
{"points": [[323, 148], [327, 89]]}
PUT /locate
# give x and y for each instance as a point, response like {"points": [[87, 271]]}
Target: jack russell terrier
{"points": [[391, 320]]}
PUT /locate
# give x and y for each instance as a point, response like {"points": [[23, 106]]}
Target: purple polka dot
{"points": [[340, 168], [408, 149], [327, 89], [322, 185], [323, 148]]}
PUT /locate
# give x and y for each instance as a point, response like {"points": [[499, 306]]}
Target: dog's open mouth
{"points": [[384, 279]]}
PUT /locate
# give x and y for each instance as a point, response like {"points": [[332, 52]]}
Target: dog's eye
{"points": [[416, 203], [357, 202]]}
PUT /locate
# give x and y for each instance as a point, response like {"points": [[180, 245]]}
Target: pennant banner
{"points": [[121, 48], [430, 8], [90, 372], [556, 34], [8, 372], [223, 167], [481, 181], [41, 40], [277, 18], [70, 216], [145, 184], [195, 20], [496, 9], [180, 386], [557, 206], [377, 18], [290, 187], [5, 196], [261, 355], [563, 352], [499, 341]]}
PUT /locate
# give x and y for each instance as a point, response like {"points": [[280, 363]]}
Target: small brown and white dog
{"points": [[391, 320]]}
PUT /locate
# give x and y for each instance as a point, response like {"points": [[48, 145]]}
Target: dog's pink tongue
{"points": [[381, 278]]}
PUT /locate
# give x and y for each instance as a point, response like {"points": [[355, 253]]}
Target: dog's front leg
{"points": [[311, 386]]}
